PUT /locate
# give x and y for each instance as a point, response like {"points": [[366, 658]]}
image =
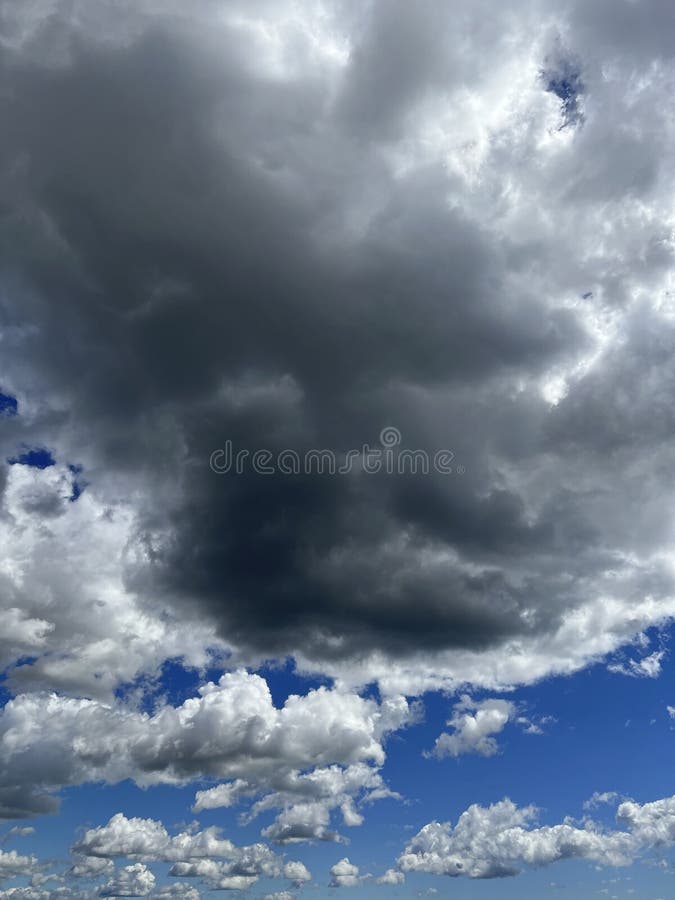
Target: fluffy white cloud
{"points": [[219, 876], [63, 596], [125, 881], [302, 822], [36, 893], [392, 876], [243, 871], [13, 863], [90, 867], [306, 799], [344, 874], [130, 881], [195, 854], [148, 839], [177, 891], [297, 872], [474, 724], [653, 823], [499, 840], [24, 893], [231, 730]]}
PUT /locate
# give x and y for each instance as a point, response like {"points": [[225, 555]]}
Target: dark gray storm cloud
{"points": [[207, 238]]}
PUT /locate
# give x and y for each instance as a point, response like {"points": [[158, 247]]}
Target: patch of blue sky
{"points": [[9, 405], [35, 457], [564, 80]]}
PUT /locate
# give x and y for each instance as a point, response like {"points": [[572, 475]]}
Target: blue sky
{"points": [[609, 733], [337, 361]]}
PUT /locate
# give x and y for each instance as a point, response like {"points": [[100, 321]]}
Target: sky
{"points": [[337, 481]]}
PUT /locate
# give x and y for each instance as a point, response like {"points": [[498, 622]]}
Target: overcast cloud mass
{"points": [[304, 227]]}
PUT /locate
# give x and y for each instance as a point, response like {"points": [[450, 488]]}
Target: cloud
{"points": [[391, 876], [290, 235], [290, 227], [30, 893], [306, 799], [599, 798], [194, 854], [302, 822], [13, 863], [131, 881], [232, 730], [297, 872], [647, 667], [90, 867], [179, 890], [219, 876], [243, 872], [60, 892], [474, 724], [344, 874], [537, 726], [653, 823], [148, 839], [16, 831], [500, 840], [69, 616]]}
